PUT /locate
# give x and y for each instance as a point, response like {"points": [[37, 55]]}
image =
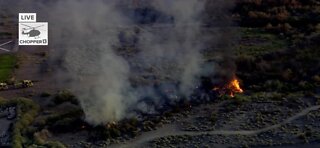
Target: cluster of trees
{"points": [[282, 15]]}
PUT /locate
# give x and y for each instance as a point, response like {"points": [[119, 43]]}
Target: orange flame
{"points": [[231, 88], [234, 86]]}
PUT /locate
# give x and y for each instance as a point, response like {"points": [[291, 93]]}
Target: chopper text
{"points": [[28, 42]]}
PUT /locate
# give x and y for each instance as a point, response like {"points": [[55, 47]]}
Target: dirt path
{"points": [[173, 130], [30, 61]]}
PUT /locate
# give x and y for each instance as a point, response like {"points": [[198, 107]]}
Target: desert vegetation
{"points": [[7, 64]]}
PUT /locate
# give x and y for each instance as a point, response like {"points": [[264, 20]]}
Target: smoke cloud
{"points": [[118, 59]]}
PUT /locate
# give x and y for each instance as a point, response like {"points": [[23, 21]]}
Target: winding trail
{"points": [[173, 130]]}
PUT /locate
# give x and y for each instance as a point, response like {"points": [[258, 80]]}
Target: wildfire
{"points": [[231, 88]]}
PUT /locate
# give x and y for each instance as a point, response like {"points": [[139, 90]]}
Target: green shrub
{"points": [[316, 79], [272, 85], [276, 96], [246, 62], [240, 99], [45, 94], [40, 121], [65, 96], [114, 132], [38, 139], [54, 144], [226, 97], [7, 63], [213, 117], [74, 114], [305, 85], [103, 132]]}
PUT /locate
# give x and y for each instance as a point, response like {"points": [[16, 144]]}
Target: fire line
{"points": [[231, 88]]}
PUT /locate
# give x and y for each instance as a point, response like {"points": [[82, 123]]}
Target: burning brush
{"points": [[230, 88]]}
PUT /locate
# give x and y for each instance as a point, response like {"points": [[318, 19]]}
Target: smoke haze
{"points": [[165, 67]]}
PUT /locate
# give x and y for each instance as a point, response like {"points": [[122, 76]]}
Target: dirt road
{"points": [[173, 130]]}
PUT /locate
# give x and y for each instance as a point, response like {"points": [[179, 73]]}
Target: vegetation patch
{"points": [[65, 96], [27, 110], [256, 42], [7, 64]]}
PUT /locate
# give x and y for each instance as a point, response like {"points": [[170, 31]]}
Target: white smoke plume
{"points": [[91, 68], [183, 38], [85, 37]]}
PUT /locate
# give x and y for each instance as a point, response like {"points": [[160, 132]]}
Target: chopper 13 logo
{"points": [[32, 32]]}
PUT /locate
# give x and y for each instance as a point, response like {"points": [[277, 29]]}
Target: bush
{"points": [[114, 132], [305, 85], [263, 66], [103, 133], [65, 125], [240, 99], [213, 117], [287, 75], [38, 139], [65, 96], [246, 62], [74, 114], [272, 85], [40, 121], [269, 26], [45, 94], [54, 144], [316, 79]]}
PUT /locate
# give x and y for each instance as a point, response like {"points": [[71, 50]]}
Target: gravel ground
{"points": [[259, 123]]}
